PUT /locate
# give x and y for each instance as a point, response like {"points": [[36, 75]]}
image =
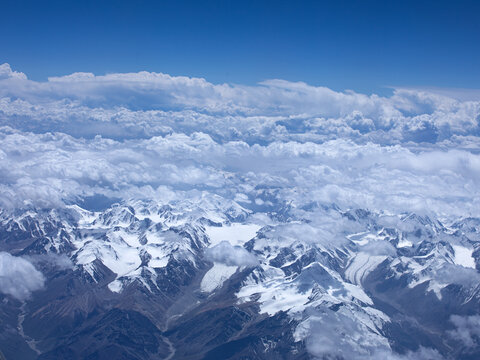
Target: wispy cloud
{"points": [[230, 255]]}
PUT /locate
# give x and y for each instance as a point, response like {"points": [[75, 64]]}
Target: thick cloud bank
{"points": [[147, 104], [130, 135], [18, 277]]}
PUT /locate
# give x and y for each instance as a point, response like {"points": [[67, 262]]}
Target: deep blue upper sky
{"points": [[359, 45]]}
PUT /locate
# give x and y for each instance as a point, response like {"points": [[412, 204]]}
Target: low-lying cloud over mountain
{"points": [[227, 254], [18, 276]]}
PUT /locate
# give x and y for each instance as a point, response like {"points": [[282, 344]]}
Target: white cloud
{"points": [[227, 254], [145, 104], [51, 168], [125, 135], [462, 94], [467, 330], [58, 261], [18, 277], [456, 274], [338, 335], [380, 247], [6, 72]]}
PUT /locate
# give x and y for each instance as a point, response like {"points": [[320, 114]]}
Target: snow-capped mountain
{"points": [[225, 280]]}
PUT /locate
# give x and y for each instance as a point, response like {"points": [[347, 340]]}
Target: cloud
{"points": [[322, 229], [338, 335], [6, 72], [421, 354], [462, 94], [58, 261], [127, 135], [18, 277], [467, 330], [49, 169], [380, 247], [146, 104], [456, 274], [230, 255]]}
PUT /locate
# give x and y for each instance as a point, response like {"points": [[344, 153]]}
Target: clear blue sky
{"points": [[359, 45]]}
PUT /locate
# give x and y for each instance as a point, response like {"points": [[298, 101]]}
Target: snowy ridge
{"points": [[216, 276], [361, 265], [301, 267]]}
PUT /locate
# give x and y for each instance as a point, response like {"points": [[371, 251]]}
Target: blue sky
{"points": [[359, 45]]}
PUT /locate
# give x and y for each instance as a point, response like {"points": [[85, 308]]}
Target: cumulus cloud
{"points": [[128, 135], [18, 277], [48, 168], [146, 104], [6, 72], [230, 255]]}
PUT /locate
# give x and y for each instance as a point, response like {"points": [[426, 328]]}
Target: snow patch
{"points": [[358, 293], [216, 276], [404, 243], [463, 256], [235, 234], [276, 296], [119, 258], [115, 286]]}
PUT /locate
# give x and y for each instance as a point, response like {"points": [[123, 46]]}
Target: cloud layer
{"points": [[129, 135], [147, 104]]}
